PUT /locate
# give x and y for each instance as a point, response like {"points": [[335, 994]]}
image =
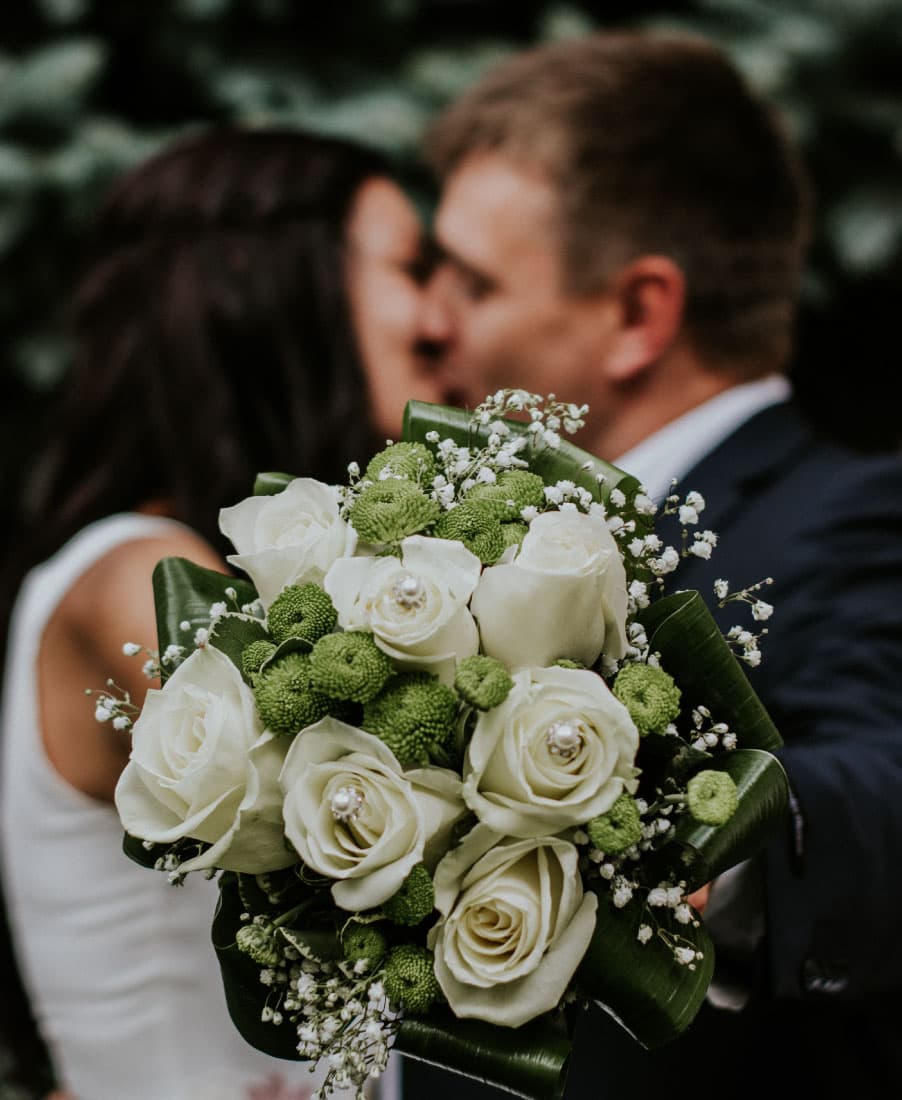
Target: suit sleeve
{"points": [[834, 879]]}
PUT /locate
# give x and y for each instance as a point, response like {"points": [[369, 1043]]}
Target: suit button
{"points": [[822, 978]]}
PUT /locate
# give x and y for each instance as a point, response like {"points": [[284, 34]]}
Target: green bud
{"points": [[364, 941], [301, 611], [513, 491], [413, 903], [712, 797], [414, 712], [253, 656], [412, 461], [514, 533], [258, 941], [649, 694], [409, 978], [390, 510], [475, 524], [286, 698], [349, 666], [483, 682], [620, 828]]}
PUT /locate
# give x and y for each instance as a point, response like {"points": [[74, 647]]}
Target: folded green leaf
{"points": [[763, 797], [693, 650], [270, 483], [566, 462], [654, 997], [529, 1061]]}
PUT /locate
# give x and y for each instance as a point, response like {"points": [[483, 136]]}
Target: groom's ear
{"points": [[650, 295]]}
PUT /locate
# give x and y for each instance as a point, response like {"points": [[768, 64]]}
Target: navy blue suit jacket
{"points": [[826, 524]]}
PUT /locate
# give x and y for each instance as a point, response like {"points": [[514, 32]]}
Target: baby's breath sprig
{"points": [[709, 734], [114, 705]]}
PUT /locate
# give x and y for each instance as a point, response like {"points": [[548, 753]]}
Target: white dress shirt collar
{"points": [[672, 451]]}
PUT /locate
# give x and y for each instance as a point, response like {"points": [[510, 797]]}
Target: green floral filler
{"points": [[302, 611], [483, 682], [650, 695], [286, 698], [349, 666], [390, 510], [620, 828], [257, 940], [513, 491], [407, 460], [413, 903], [364, 942], [254, 656], [566, 662], [409, 978], [712, 797], [476, 524], [414, 712]]}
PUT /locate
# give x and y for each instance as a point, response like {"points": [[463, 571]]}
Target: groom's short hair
{"points": [[655, 145]]}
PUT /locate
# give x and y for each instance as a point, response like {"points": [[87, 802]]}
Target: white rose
{"points": [[557, 752], [564, 595], [202, 766], [515, 925], [354, 815], [415, 607], [290, 538]]}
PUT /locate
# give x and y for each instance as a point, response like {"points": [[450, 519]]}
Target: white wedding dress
{"points": [[119, 964]]}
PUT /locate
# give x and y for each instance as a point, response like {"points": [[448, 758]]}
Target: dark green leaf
{"points": [[529, 1061], [246, 995], [270, 483], [763, 795], [133, 846], [654, 997], [693, 650], [184, 592]]}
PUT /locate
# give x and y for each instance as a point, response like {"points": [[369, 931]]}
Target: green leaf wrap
{"points": [[529, 1061]]}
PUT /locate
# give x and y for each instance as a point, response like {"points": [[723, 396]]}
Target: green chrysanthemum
{"points": [[364, 942], [349, 666], [254, 655], [649, 694], [413, 461], [285, 695], [514, 533], [475, 524], [483, 681], [620, 828], [712, 797], [566, 662], [390, 510], [257, 941], [409, 978], [413, 903], [302, 611], [413, 713], [513, 491]]}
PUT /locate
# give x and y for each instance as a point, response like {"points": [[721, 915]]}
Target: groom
{"points": [[623, 223]]}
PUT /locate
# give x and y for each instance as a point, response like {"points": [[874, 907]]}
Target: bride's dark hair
{"points": [[211, 333]]}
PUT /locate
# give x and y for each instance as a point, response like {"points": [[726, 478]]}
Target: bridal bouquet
{"points": [[456, 759]]}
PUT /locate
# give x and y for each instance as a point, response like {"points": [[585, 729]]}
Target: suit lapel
{"points": [[746, 460]]}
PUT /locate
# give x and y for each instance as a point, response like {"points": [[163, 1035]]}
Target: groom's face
{"points": [[496, 305]]}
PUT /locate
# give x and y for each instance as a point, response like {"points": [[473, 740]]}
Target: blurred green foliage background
{"points": [[88, 87]]}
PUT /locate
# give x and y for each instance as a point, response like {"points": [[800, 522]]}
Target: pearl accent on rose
{"points": [[345, 803], [409, 592], [564, 739]]}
